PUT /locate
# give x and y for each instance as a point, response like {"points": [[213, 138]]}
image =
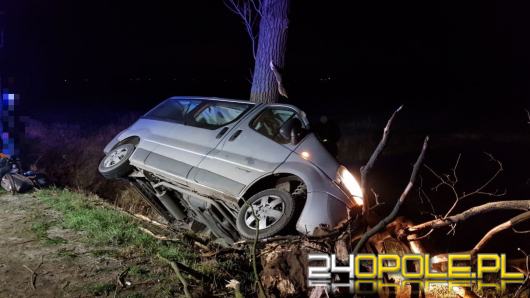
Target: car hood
{"points": [[318, 155]]}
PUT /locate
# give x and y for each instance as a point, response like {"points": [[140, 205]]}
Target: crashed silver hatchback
{"points": [[231, 167]]}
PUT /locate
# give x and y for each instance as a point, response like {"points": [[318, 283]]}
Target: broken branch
{"points": [[385, 221], [375, 155], [34, 272], [478, 210], [506, 225], [181, 278], [158, 237]]}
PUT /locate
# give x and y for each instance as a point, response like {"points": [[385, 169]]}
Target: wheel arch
{"points": [[135, 140], [266, 182]]}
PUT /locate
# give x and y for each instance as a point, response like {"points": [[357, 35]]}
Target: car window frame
{"points": [[296, 113], [183, 122], [202, 103], [199, 108]]}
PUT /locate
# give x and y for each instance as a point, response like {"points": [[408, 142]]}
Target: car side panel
{"points": [[241, 159]]}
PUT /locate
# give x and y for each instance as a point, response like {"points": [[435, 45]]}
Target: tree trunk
{"points": [[272, 42]]}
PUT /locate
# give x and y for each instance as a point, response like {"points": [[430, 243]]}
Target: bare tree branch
{"points": [[250, 12], [478, 210], [385, 221], [375, 155], [181, 278], [450, 182], [506, 225]]}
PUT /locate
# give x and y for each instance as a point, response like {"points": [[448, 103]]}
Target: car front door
{"points": [[254, 148], [205, 124]]}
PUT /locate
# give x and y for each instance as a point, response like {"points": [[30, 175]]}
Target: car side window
{"points": [[174, 110], [216, 114], [269, 122]]}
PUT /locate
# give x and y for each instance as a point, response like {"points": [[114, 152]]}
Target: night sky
{"points": [[466, 62]]}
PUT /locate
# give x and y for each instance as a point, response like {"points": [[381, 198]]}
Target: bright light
{"points": [[346, 179], [305, 155]]}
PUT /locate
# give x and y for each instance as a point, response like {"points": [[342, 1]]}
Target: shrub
{"points": [[69, 155]]}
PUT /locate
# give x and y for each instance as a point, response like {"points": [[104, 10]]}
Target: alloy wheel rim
{"points": [[268, 209], [115, 157]]}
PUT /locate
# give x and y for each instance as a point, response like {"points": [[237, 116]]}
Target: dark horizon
{"points": [[463, 62]]}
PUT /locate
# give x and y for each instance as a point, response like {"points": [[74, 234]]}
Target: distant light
{"points": [[305, 155]]}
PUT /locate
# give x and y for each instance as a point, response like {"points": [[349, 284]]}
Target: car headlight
{"points": [[347, 181]]}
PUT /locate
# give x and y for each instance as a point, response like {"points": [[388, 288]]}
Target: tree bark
{"points": [[272, 44]]}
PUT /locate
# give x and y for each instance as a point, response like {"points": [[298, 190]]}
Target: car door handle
{"points": [[221, 133], [235, 135]]}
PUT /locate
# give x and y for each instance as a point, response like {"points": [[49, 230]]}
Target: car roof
{"points": [[214, 99]]}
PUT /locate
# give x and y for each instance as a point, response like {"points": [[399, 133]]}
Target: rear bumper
{"points": [[322, 209]]}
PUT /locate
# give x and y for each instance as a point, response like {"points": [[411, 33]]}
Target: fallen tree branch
{"points": [[478, 210], [450, 182], [120, 278], [253, 249], [149, 220], [385, 221], [375, 155], [181, 278], [158, 237], [34, 272], [506, 225]]}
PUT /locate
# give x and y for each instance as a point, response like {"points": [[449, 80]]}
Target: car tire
{"points": [[116, 163], [275, 210]]}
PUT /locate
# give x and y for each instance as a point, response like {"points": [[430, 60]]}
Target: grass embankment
{"points": [[118, 234]]}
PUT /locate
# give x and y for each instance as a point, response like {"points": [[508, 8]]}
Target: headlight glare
{"points": [[348, 181]]}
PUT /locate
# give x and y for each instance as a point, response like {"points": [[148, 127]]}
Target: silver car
{"points": [[233, 167]]}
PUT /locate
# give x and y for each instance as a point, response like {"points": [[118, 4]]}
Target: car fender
{"points": [[313, 177]]}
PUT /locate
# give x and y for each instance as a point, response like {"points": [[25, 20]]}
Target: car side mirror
{"points": [[292, 130]]}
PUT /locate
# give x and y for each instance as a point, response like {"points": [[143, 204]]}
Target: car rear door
{"points": [[189, 141], [251, 150]]}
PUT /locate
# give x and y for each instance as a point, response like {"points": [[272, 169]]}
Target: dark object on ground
{"points": [[16, 183], [39, 180]]}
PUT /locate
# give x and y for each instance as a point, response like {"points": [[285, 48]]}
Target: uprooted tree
{"points": [[266, 23], [284, 258]]}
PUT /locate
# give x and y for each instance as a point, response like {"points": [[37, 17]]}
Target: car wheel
{"points": [[273, 210], [116, 163]]}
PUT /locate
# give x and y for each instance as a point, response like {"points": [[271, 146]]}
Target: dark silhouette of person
{"points": [[328, 132]]}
